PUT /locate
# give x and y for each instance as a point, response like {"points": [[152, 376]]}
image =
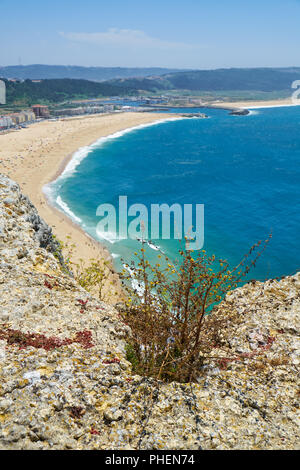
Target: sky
{"points": [[197, 34]]}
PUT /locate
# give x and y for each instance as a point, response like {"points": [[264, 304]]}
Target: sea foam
{"points": [[64, 206]]}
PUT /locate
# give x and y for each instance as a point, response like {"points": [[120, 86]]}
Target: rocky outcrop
{"points": [[239, 112], [65, 382]]}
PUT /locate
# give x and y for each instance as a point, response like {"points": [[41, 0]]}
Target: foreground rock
{"points": [[65, 382]]}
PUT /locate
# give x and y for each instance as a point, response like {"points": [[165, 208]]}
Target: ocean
{"points": [[244, 169]]}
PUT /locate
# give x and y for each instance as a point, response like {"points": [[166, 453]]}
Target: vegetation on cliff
{"points": [[171, 309], [65, 382]]}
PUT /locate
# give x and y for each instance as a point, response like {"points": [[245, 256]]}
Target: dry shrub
{"points": [[167, 309], [92, 275]]}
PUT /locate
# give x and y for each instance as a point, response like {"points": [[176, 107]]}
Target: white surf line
{"points": [[65, 208], [272, 106]]}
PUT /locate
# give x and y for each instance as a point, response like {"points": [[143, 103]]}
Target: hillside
{"points": [[59, 90], [39, 71], [260, 79], [222, 81], [65, 382]]}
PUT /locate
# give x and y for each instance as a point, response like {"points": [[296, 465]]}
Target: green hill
{"points": [[221, 81], [258, 79], [56, 91], [39, 71]]}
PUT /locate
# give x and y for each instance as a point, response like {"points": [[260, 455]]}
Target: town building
{"points": [[6, 122], [29, 115], [40, 111], [78, 111], [22, 117], [17, 118], [109, 108]]}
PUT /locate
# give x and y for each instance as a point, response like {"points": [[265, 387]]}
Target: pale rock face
{"points": [[71, 397]]}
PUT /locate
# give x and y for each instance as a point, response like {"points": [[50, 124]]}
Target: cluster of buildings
{"points": [[23, 117], [140, 109], [106, 108], [39, 111], [16, 119], [6, 122], [165, 100]]}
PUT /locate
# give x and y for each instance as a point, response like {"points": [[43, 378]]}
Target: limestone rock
{"points": [[65, 382]]}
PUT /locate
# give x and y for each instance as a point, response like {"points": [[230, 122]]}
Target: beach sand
{"points": [[37, 154], [255, 104]]}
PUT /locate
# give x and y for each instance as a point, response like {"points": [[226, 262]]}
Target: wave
{"points": [[110, 237], [76, 159], [151, 245], [288, 105], [170, 177], [50, 193], [48, 190], [188, 162], [64, 206], [139, 287]]}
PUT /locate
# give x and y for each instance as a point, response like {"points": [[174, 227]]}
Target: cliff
{"points": [[66, 384]]}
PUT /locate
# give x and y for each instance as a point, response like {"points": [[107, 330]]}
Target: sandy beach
{"points": [[256, 104], [36, 155]]}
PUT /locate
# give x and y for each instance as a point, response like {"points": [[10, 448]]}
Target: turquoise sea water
{"points": [[244, 169]]}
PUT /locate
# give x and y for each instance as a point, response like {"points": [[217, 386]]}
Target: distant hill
{"points": [[39, 71], [149, 84], [155, 78], [56, 91], [221, 81], [258, 79]]}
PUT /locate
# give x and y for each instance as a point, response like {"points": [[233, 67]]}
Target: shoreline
{"points": [[95, 143], [39, 154], [68, 159], [288, 102]]}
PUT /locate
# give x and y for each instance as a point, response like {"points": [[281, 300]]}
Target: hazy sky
{"points": [[166, 33]]}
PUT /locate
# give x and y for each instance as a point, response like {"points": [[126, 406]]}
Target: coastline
{"points": [[255, 104], [38, 155]]}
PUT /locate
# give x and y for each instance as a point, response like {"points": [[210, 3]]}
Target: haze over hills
{"points": [[258, 79], [151, 79], [39, 71], [219, 81]]}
